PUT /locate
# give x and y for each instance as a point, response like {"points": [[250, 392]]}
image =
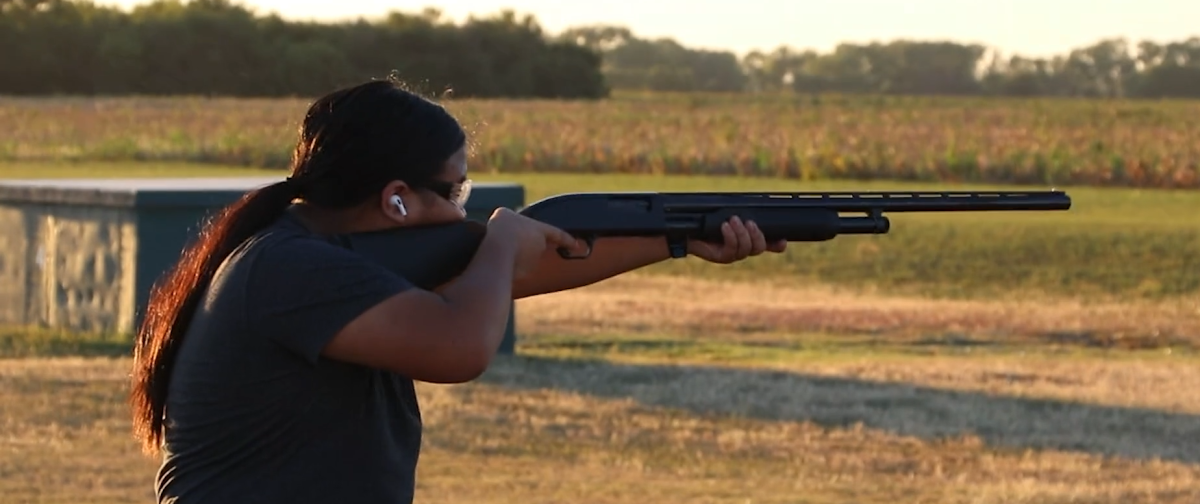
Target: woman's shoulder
{"points": [[285, 247], [287, 238]]}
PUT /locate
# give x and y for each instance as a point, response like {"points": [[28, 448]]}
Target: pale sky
{"points": [[1028, 27]]}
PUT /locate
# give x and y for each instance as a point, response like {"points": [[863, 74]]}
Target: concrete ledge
{"points": [[189, 192]]}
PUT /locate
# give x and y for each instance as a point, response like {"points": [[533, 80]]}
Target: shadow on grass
{"points": [[600, 345], [907, 410]]}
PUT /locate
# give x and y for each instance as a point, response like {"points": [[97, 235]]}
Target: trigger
{"points": [[566, 254]]}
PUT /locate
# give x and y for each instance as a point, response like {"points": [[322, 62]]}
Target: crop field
{"points": [[971, 358], [1037, 141]]}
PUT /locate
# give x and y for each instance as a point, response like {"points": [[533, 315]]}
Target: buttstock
{"points": [[427, 256]]}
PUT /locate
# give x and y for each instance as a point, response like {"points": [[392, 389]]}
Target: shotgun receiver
{"points": [[431, 255]]}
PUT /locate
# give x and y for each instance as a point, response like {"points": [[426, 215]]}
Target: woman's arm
{"points": [[612, 256], [450, 337]]}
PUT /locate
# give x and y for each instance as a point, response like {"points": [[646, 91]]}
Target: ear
{"points": [[396, 201]]}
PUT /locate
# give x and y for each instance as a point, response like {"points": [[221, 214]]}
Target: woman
{"points": [[275, 366]]}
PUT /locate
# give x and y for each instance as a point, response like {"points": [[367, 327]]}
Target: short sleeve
{"points": [[303, 291]]}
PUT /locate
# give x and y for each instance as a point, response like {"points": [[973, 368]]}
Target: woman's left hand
{"points": [[741, 240]]}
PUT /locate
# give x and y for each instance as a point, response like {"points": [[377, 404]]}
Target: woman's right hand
{"points": [[531, 238]]}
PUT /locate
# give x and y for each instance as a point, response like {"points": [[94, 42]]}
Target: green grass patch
{"points": [[20, 342], [820, 349], [1113, 244]]}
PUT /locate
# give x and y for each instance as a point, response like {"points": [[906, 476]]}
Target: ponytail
{"points": [[175, 297]]}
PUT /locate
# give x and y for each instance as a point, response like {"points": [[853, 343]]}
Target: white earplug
{"points": [[399, 204]]}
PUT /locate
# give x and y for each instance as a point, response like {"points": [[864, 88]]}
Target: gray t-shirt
{"points": [[256, 414]]}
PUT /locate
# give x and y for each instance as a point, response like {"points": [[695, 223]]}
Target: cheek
{"points": [[442, 213], [454, 212]]}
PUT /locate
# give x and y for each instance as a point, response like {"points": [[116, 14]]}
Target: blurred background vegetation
{"points": [[218, 47]]}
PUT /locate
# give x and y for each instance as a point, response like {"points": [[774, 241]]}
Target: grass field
{"points": [[1040, 141], [1007, 358]]}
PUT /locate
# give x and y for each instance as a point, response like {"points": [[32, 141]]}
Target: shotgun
{"points": [[431, 255]]}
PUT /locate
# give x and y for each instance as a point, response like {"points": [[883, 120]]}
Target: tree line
{"points": [[1110, 68], [218, 47]]}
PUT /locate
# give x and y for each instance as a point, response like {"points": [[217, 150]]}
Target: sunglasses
{"points": [[455, 192]]}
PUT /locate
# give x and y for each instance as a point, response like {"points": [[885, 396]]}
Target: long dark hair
{"points": [[351, 143]]}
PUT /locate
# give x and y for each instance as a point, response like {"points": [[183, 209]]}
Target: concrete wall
{"points": [[69, 267], [15, 255]]}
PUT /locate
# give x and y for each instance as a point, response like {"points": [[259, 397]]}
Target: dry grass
{"points": [[65, 436], [619, 450], [597, 433], [693, 306], [809, 419], [1108, 354]]}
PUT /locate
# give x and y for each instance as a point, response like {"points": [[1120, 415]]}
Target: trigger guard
{"points": [[566, 254]]}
